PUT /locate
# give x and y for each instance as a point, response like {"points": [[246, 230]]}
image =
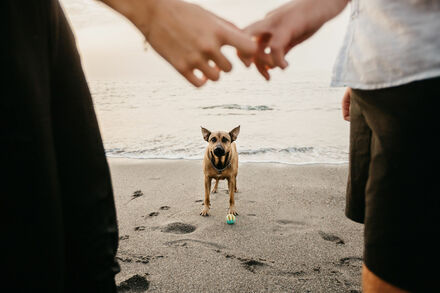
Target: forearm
{"points": [[316, 12], [139, 12], [334, 7]]}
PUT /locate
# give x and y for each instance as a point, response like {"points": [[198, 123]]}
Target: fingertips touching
{"points": [[264, 57]]}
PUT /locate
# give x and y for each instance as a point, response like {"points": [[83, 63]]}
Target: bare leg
{"points": [[214, 190], [206, 203], [231, 185], [373, 284]]}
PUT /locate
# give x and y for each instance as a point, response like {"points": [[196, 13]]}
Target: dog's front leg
{"points": [[231, 186], [206, 203], [214, 190]]}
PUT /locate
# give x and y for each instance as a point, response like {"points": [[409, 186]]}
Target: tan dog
{"points": [[220, 162]]}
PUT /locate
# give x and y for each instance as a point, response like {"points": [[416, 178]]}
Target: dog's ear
{"points": [[234, 133], [206, 133]]}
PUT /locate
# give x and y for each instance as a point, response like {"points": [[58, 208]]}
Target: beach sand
{"points": [[291, 234]]}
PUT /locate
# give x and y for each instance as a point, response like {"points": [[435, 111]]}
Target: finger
{"points": [[256, 28], [278, 60], [246, 61], [264, 58], [277, 45], [212, 73], [346, 105], [278, 57], [192, 78], [263, 70], [221, 61], [238, 39]]}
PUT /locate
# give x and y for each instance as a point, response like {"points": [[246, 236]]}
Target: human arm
{"points": [[186, 35], [287, 26]]}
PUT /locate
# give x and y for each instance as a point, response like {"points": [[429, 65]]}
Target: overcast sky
{"points": [[112, 48]]}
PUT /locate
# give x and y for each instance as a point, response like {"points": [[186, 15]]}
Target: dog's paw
{"points": [[205, 212], [233, 211], [214, 190]]}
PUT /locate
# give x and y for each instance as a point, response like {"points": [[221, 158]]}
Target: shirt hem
{"points": [[375, 86]]}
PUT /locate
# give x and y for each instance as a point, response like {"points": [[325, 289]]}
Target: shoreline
{"points": [[291, 233], [116, 159]]}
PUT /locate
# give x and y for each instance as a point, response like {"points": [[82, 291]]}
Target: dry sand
{"points": [[291, 234]]}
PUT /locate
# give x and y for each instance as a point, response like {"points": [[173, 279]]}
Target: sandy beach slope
{"points": [[291, 234]]}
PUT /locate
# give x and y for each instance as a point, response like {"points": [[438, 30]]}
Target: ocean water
{"points": [[295, 118]]}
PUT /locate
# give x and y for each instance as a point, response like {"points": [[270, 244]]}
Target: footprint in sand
{"points": [[252, 264], [351, 261], [123, 259], [285, 225], [185, 242], [136, 283], [331, 238], [153, 214], [248, 263], [290, 222], [124, 237], [178, 228], [164, 208]]}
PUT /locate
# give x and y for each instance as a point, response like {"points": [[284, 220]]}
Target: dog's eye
{"points": [[213, 139], [224, 140]]}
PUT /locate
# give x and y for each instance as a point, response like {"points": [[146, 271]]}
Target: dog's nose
{"points": [[219, 151]]}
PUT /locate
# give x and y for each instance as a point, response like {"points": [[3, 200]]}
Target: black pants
{"points": [[393, 181], [59, 230]]}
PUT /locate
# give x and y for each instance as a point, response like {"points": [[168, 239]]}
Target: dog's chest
{"points": [[217, 175]]}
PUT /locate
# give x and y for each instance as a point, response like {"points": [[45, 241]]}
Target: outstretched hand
{"points": [[186, 35], [284, 28]]}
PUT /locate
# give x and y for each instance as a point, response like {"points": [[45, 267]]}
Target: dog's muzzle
{"points": [[219, 151]]}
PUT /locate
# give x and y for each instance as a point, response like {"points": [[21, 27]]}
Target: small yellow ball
{"points": [[230, 219]]}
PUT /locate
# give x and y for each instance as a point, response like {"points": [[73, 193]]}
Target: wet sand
{"points": [[291, 234]]}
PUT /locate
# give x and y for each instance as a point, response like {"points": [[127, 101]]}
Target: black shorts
{"points": [[393, 181]]}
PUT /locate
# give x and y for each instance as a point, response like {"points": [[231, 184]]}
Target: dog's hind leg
{"points": [[214, 190], [206, 203]]}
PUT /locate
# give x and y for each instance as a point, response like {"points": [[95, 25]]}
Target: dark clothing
{"points": [[392, 185], [58, 214]]}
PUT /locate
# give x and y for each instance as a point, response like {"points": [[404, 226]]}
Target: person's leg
{"points": [[90, 227], [373, 284], [359, 164], [401, 202], [31, 209], [56, 196]]}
